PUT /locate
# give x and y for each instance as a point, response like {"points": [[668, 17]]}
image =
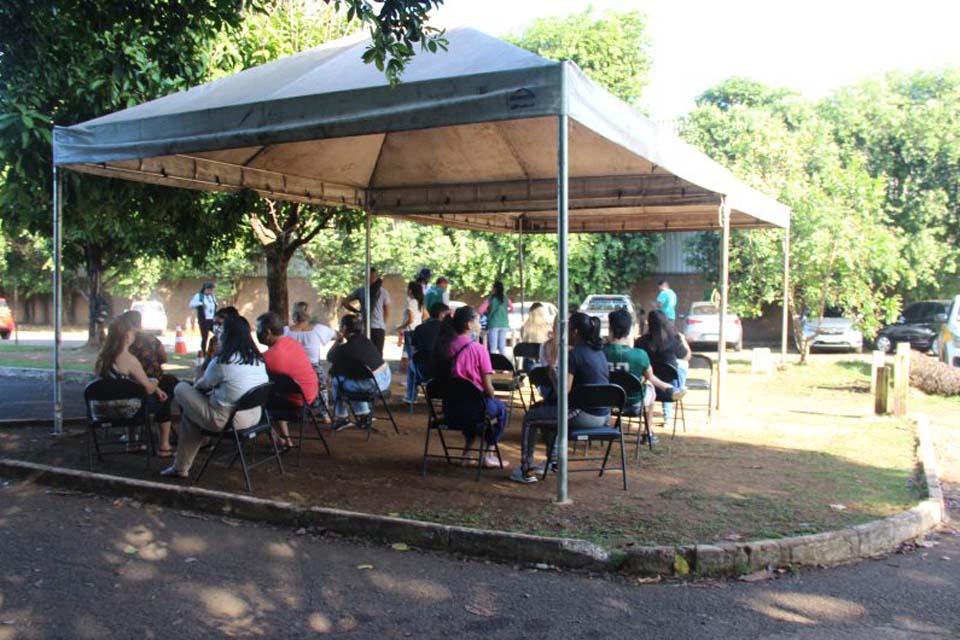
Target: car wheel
{"points": [[883, 344]]}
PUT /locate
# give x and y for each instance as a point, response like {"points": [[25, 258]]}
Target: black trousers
{"points": [[205, 327], [161, 410], [378, 337]]}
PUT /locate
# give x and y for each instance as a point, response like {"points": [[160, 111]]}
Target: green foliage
{"points": [[612, 48]]}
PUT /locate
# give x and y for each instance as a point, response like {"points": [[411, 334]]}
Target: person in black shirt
{"points": [[425, 337], [348, 359], [664, 344], [586, 365]]}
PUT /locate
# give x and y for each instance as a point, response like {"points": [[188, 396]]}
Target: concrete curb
{"points": [[79, 377], [724, 559]]}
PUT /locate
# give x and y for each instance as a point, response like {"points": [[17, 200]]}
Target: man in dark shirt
{"points": [[424, 337], [349, 359]]}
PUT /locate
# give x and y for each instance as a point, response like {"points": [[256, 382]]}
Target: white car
{"points": [[153, 314], [600, 306], [833, 333], [948, 343], [702, 325]]}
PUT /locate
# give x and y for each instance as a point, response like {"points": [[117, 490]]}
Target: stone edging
{"points": [[35, 373], [833, 547]]}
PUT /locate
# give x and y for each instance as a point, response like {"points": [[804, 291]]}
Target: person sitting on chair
{"points": [[348, 359], [664, 344], [213, 345], [458, 353], [149, 351], [285, 356], [422, 342], [586, 365], [237, 368]]}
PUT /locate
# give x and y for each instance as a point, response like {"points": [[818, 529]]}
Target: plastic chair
{"points": [[369, 396], [632, 385], [112, 405], [668, 373], [280, 407], [698, 361], [472, 408], [258, 396]]}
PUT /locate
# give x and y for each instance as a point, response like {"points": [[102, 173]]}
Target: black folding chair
{"points": [[526, 355], [113, 405], [632, 385], [595, 396], [421, 363], [472, 416], [280, 407], [369, 396], [700, 362], [258, 396], [507, 379], [668, 373]]}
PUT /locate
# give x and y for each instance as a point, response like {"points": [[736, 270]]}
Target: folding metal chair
{"points": [[421, 364], [369, 396], [471, 415], [632, 385], [539, 378], [258, 396], [700, 362], [668, 373], [526, 355], [280, 407], [113, 405], [596, 396], [512, 383]]}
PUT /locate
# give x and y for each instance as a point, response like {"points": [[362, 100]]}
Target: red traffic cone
{"points": [[180, 345]]}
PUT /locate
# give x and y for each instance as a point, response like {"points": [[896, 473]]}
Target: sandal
{"points": [[169, 452]]}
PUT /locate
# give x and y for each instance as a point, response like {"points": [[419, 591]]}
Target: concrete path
{"points": [[79, 566]]}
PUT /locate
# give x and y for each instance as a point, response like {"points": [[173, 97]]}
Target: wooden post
{"points": [[901, 379], [879, 358], [881, 398]]}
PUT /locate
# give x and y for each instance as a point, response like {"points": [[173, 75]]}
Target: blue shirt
{"points": [[667, 300]]}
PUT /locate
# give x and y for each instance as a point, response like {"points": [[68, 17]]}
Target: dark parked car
{"points": [[918, 325]]}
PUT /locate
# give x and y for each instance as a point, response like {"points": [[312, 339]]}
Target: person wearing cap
{"points": [[206, 305]]}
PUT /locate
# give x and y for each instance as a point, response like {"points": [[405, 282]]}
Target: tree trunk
{"points": [[277, 263], [94, 291]]}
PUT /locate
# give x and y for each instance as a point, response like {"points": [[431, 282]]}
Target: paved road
{"points": [[27, 398], [78, 566]]}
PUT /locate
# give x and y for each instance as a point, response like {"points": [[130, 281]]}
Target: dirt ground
{"points": [[794, 452]]}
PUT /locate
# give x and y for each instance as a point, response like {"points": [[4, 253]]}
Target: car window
{"points": [[914, 312], [706, 309], [606, 304]]}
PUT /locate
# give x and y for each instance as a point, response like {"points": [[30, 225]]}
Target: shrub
{"points": [[932, 376]]}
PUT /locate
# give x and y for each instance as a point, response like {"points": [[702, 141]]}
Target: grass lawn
{"points": [[75, 358]]}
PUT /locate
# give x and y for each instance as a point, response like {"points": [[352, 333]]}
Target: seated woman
{"points": [[536, 328], [149, 352], [348, 357], [116, 362], [312, 337], [207, 404], [664, 344], [586, 365], [213, 345], [458, 353]]}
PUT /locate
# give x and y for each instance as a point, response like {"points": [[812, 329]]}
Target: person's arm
{"points": [[488, 385], [386, 305], [135, 369], [684, 347], [482, 309], [345, 303], [657, 382], [509, 305], [211, 377]]}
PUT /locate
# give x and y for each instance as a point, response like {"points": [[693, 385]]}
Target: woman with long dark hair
{"points": [[497, 306], [234, 370], [459, 355], [412, 317], [117, 363], [664, 344], [586, 365], [205, 304]]}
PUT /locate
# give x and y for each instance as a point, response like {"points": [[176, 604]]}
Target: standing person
{"points": [[117, 363], [458, 353], [423, 279], [439, 292], [149, 352], [664, 344], [412, 318], [497, 307], [348, 359], [237, 368], [206, 305], [286, 356], [587, 365], [666, 301], [379, 308]]}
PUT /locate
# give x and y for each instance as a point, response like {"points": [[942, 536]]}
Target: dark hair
{"points": [[112, 346], [453, 326], [423, 276], [536, 305], [205, 286], [134, 318], [588, 328], [498, 291], [441, 280], [236, 345], [226, 312], [375, 287], [660, 330], [661, 283], [415, 291], [437, 308], [621, 321], [270, 321], [351, 324], [300, 312]]}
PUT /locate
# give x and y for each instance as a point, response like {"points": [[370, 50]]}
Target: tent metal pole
{"points": [[57, 302], [786, 295], [563, 496], [520, 250], [724, 298], [366, 275]]}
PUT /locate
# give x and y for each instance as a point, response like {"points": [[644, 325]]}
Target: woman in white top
{"points": [[205, 304], [237, 368], [313, 337]]}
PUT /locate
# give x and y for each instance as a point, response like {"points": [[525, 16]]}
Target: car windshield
{"points": [[707, 309], [606, 304]]}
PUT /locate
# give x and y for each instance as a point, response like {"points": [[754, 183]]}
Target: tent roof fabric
{"points": [[468, 140]]}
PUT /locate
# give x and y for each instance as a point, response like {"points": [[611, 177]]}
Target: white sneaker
{"points": [[525, 477]]}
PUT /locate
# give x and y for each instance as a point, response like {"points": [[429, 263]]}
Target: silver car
{"points": [[153, 314], [600, 306], [702, 325], [833, 333]]}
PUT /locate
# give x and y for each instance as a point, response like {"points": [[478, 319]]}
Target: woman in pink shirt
{"points": [[458, 353]]}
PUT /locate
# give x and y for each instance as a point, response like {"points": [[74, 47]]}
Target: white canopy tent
{"points": [[486, 136]]}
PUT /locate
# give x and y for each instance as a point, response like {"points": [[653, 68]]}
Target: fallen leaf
{"points": [[838, 507], [680, 565], [364, 566], [400, 546], [757, 576], [189, 559], [944, 557], [653, 580], [394, 514], [130, 550], [477, 610]]}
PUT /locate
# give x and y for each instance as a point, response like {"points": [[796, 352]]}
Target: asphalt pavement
{"points": [[80, 566], [32, 399]]}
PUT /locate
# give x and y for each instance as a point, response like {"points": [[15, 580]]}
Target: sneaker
{"points": [[643, 439], [341, 423], [524, 477], [678, 393]]}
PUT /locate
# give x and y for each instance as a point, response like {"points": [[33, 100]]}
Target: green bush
{"points": [[932, 376]]}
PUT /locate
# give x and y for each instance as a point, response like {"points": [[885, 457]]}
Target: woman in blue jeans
{"points": [[349, 359]]}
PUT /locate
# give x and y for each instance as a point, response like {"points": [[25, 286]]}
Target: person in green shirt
{"points": [[437, 293], [497, 307], [622, 356]]}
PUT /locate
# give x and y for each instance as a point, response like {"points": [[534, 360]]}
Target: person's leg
{"points": [[378, 337], [413, 379], [497, 410], [360, 407], [528, 435], [195, 412], [340, 410], [204, 332], [502, 341]]}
